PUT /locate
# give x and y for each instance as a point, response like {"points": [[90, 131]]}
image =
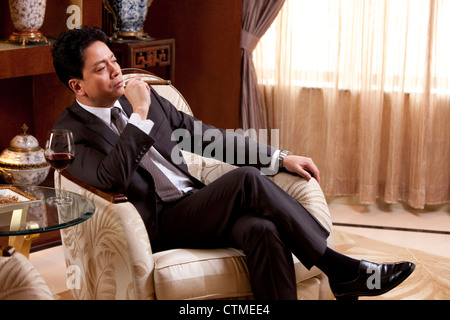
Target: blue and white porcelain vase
{"points": [[129, 17]]}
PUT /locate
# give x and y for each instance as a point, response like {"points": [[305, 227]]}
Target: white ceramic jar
{"points": [[23, 162]]}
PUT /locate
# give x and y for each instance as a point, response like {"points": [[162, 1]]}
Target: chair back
{"points": [[162, 87]]}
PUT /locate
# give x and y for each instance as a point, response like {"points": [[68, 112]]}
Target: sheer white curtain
{"points": [[363, 88]]}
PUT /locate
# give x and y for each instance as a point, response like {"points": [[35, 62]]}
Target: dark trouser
{"points": [[246, 210]]}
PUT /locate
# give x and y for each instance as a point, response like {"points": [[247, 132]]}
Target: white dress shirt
{"points": [[177, 177]]}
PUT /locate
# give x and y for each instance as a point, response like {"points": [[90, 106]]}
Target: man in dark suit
{"points": [[243, 208]]}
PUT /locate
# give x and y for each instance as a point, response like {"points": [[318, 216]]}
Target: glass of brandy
{"points": [[59, 153]]}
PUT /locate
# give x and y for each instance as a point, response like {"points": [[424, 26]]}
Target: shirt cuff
{"points": [[144, 125]]}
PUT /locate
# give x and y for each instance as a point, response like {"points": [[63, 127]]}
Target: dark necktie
{"points": [[165, 189]]}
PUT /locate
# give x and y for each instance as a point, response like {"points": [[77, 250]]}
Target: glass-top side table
{"points": [[25, 213]]}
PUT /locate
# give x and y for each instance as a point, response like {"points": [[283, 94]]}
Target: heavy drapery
{"points": [[257, 16], [363, 88]]}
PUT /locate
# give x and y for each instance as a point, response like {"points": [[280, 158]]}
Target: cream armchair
{"points": [[19, 279], [112, 249]]}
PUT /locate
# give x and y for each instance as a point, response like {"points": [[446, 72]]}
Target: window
{"points": [[396, 45]]}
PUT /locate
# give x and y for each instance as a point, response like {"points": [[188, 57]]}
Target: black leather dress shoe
{"points": [[374, 279]]}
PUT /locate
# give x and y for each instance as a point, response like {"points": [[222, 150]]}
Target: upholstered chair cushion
{"points": [[19, 280]]}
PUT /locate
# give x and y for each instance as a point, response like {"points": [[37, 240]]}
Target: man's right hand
{"points": [[138, 94]]}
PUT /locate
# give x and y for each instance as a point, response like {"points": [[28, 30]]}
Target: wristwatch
{"points": [[283, 154]]}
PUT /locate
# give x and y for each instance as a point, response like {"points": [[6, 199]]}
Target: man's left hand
{"points": [[303, 166]]}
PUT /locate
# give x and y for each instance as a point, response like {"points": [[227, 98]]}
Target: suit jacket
{"points": [[112, 163]]}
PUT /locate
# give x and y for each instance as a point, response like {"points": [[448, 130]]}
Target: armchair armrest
{"points": [[111, 249], [108, 196], [311, 197], [20, 280], [308, 193]]}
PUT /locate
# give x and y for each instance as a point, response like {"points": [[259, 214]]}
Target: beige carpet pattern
{"points": [[429, 281]]}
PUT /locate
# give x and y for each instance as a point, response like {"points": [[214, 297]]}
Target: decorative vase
{"points": [[128, 18], [27, 17]]}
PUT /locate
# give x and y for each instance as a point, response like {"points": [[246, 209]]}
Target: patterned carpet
{"points": [[429, 281]]}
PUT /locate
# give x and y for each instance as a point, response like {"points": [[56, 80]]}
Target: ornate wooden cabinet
{"points": [[156, 56]]}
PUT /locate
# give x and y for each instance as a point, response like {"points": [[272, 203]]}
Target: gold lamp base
{"points": [[129, 35], [24, 37]]}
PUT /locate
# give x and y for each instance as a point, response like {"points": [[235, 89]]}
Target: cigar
{"points": [[154, 82]]}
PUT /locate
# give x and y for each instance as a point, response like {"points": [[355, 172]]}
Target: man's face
{"points": [[102, 81]]}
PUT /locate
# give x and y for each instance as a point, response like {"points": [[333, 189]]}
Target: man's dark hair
{"points": [[68, 51]]}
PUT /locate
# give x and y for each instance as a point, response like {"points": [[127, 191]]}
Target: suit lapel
{"points": [[95, 125]]}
